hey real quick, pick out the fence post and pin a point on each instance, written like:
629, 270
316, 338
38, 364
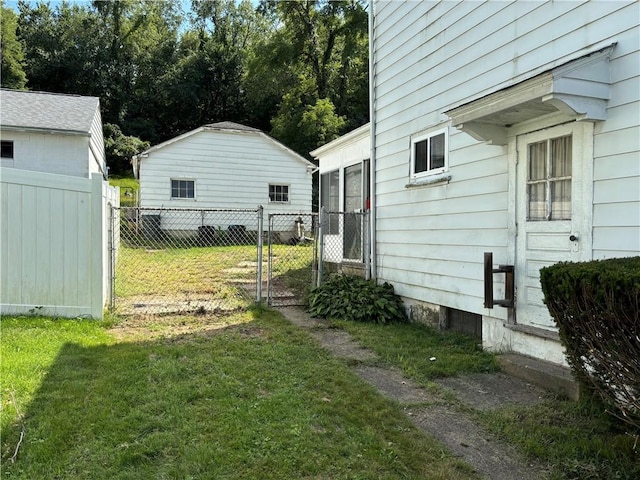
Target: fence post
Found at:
314, 261
366, 246
323, 213
96, 235
260, 245
112, 259
269, 255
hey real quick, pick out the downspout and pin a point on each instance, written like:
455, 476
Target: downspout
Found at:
372, 141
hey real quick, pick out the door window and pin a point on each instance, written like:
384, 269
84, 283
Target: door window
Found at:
549, 179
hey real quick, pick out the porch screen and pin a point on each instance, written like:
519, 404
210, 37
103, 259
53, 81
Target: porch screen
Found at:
330, 199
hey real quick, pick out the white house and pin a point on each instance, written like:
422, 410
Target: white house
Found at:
344, 169
223, 166
52, 133
504, 127
54, 206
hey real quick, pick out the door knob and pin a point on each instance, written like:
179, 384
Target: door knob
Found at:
573, 238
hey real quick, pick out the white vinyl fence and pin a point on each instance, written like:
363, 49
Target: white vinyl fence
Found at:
54, 244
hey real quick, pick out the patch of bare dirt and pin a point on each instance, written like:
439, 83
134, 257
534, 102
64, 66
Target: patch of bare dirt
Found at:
149, 327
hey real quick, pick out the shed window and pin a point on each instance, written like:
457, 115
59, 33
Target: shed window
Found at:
429, 154
279, 193
6, 149
183, 188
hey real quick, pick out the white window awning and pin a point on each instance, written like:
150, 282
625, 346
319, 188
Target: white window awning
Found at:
580, 89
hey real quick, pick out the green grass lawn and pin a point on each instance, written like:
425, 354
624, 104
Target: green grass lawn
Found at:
410, 347
241, 397
129, 188
579, 439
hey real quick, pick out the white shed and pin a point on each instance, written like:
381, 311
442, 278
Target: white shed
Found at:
503, 127
52, 133
224, 166
54, 206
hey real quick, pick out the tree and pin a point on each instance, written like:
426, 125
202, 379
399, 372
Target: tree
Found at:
305, 122
120, 148
12, 73
322, 45
61, 48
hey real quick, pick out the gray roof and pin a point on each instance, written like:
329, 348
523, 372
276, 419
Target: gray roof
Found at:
47, 111
231, 126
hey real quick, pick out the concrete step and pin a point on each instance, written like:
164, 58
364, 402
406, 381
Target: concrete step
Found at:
550, 376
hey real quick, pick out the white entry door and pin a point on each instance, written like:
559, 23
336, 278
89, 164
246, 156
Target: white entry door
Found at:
553, 219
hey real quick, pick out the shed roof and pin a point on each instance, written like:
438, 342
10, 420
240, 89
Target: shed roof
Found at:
225, 127
47, 111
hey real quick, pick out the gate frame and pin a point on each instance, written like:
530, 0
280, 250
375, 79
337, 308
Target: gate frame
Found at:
314, 259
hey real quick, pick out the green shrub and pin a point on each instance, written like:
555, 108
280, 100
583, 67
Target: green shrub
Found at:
352, 298
596, 306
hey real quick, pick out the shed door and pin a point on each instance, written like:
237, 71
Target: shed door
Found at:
551, 213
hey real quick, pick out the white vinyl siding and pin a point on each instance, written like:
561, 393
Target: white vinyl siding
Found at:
434, 56
60, 154
97, 157
231, 171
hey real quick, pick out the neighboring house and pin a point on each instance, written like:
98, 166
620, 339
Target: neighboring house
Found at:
344, 187
54, 206
503, 127
52, 133
223, 166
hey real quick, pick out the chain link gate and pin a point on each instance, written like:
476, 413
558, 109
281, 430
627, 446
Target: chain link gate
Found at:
292, 257
170, 261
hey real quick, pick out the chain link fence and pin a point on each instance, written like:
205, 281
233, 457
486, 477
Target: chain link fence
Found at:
171, 261
345, 247
292, 258
184, 260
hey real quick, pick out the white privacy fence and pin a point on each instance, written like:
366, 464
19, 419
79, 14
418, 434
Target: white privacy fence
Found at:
54, 243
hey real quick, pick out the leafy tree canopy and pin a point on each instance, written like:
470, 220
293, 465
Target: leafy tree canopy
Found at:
12, 74
296, 69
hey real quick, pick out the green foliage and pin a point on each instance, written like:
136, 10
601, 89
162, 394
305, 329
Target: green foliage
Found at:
579, 440
296, 69
120, 148
596, 306
12, 74
356, 299
129, 188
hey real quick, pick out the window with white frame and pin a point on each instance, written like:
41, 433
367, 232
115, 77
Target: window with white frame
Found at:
429, 154
549, 179
183, 189
279, 193
6, 149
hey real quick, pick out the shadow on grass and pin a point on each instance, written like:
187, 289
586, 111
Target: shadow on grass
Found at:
254, 400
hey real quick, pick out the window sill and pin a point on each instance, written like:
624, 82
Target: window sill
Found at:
428, 181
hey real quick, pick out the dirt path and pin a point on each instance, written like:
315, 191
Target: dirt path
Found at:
435, 413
